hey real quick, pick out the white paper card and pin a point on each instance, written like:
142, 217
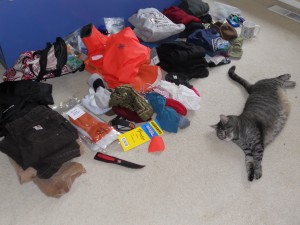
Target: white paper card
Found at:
75, 113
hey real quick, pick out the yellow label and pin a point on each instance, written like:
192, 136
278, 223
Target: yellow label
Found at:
139, 135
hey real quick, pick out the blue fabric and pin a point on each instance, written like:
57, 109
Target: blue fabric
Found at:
210, 40
157, 101
169, 120
166, 116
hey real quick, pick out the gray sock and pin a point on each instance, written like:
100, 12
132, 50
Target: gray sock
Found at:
183, 122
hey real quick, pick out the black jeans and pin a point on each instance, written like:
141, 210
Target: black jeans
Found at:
19, 97
42, 139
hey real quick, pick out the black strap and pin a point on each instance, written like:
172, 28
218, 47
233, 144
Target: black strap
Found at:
43, 61
60, 51
121, 124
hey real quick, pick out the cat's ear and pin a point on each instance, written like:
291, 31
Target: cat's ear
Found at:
224, 119
214, 126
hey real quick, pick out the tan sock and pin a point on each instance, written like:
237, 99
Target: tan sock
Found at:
23, 175
61, 182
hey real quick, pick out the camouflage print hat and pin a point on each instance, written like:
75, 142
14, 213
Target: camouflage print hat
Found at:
125, 96
235, 49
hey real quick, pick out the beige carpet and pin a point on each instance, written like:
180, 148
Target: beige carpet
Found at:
197, 179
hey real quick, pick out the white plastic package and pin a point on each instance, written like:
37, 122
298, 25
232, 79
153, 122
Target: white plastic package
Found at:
221, 11
66, 105
74, 40
114, 25
97, 134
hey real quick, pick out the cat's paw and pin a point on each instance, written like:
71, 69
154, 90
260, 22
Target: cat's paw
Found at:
258, 173
285, 77
250, 174
289, 84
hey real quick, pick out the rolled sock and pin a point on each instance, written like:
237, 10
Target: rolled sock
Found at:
24, 175
183, 122
62, 181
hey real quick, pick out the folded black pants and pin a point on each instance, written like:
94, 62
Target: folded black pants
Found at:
19, 97
42, 139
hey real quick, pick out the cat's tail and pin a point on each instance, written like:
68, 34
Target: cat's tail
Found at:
237, 78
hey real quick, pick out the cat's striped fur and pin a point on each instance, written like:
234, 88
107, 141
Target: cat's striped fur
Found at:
264, 115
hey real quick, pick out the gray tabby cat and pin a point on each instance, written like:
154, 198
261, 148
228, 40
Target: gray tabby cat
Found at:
264, 115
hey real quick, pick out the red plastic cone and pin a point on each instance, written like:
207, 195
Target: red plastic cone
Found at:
156, 145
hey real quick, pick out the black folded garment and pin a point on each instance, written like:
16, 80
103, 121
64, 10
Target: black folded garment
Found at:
196, 8
183, 57
19, 97
190, 28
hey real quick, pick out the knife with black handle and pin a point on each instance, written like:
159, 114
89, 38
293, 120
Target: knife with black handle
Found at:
111, 159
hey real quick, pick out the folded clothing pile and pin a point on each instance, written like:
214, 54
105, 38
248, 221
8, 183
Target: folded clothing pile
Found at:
42, 139
39, 141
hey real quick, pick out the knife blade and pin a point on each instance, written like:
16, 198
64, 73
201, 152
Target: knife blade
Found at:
111, 159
